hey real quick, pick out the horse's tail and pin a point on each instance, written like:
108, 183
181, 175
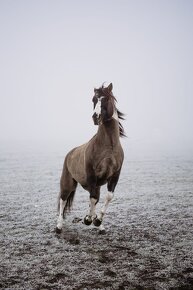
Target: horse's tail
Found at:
69, 203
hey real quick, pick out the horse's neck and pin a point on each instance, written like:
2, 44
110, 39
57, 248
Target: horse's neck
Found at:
108, 134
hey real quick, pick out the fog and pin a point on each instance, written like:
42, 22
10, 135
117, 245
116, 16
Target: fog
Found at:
53, 54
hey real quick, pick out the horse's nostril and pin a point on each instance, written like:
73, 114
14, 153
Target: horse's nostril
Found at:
94, 116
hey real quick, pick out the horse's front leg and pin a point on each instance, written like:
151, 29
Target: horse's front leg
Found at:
98, 220
91, 214
94, 198
112, 182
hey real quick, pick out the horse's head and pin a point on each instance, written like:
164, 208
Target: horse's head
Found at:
103, 102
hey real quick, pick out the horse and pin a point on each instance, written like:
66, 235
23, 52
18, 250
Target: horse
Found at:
95, 163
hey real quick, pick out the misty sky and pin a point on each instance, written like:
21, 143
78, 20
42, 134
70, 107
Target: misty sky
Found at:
53, 53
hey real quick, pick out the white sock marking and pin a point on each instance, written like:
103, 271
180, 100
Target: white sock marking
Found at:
101, 228
92, 207
108, 198
60, 218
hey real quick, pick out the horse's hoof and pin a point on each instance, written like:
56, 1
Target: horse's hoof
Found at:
97, 222
58, 231
87, 220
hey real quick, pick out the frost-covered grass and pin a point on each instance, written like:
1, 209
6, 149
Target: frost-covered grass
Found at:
149, 239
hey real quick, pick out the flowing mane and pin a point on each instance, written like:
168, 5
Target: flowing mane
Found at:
104, 91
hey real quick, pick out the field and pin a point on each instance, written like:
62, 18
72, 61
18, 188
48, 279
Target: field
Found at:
149, 228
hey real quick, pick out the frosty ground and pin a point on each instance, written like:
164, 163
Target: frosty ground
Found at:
149, 228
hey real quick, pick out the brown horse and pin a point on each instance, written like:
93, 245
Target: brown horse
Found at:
96, 162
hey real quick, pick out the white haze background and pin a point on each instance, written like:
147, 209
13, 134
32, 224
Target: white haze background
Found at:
53, 53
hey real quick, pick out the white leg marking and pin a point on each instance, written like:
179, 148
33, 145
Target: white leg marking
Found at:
101, 228
108, 198
92, 207
60, 218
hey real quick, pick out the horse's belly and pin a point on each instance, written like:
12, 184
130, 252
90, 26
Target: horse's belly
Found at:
80, 178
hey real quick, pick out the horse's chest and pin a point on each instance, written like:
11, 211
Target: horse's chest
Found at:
107, 167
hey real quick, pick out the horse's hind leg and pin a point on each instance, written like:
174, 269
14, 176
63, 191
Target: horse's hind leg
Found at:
62, 204
111, 184
67, 190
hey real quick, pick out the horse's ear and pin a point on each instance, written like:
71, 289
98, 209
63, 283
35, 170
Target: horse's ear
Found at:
110, 87
94, 90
